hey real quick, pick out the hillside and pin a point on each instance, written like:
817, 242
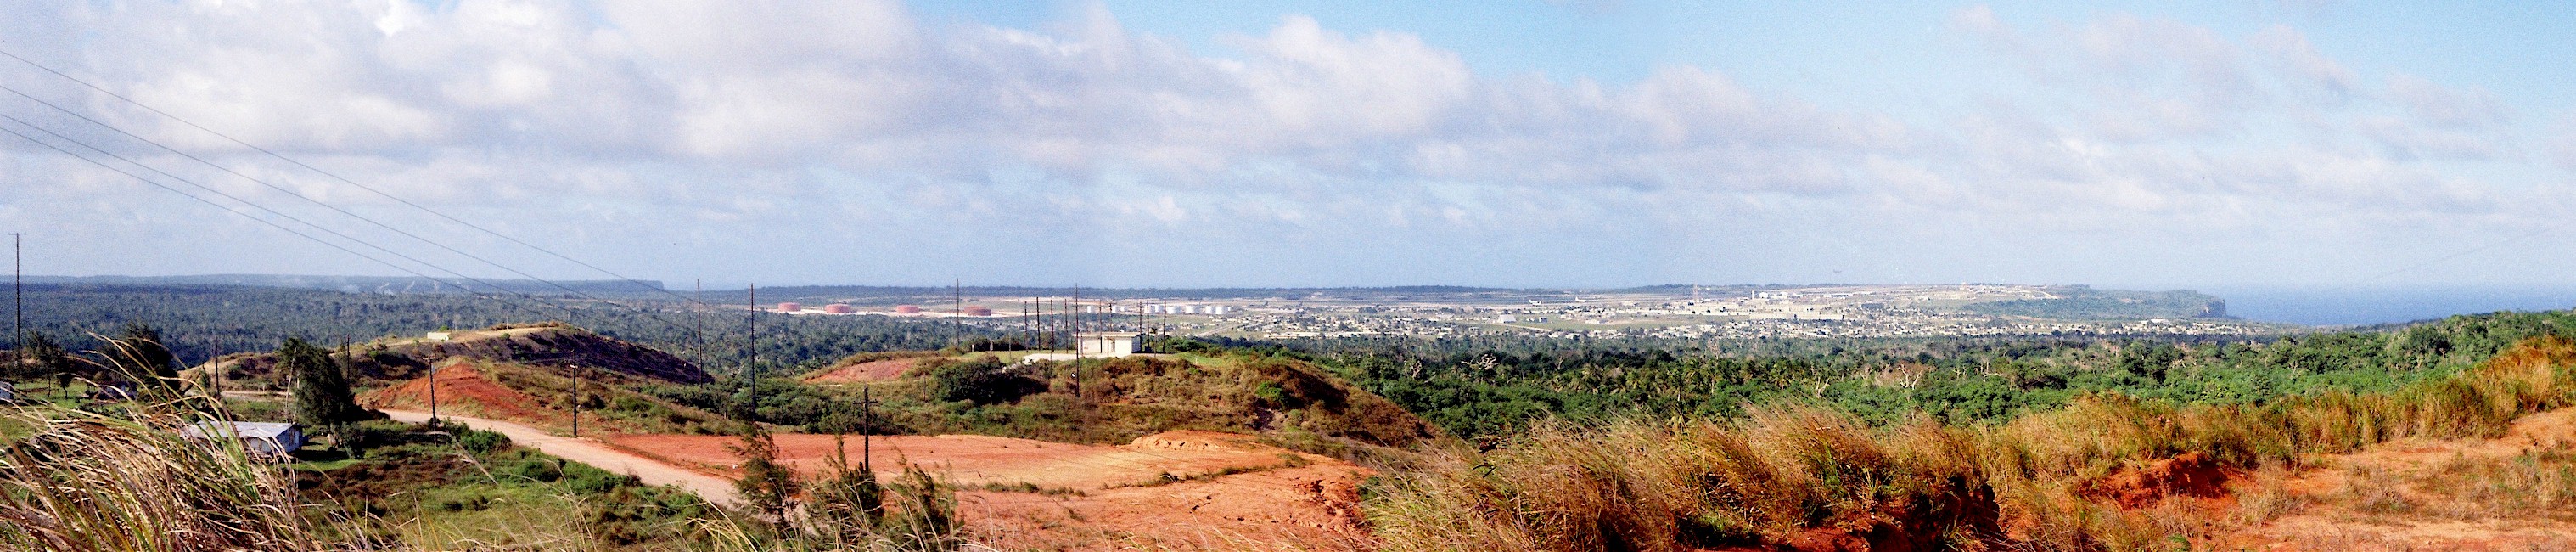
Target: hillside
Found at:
543, 396
1101, 401
548, 345
2086, 303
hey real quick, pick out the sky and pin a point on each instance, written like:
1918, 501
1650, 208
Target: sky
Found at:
2286, 144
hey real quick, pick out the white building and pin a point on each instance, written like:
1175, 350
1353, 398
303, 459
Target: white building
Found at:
1104, 344
260, 439
8, 393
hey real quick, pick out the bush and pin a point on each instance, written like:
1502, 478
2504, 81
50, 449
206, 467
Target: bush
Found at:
982, 381
480, 442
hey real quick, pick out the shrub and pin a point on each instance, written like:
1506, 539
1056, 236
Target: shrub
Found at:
981, 381
480, 442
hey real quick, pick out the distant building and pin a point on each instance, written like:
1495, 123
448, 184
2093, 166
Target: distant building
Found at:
1216, 310
907, 309
790, 308
1105, 344
1507, 319
978, 310
837, 308
8, 393
441, 337
272, 441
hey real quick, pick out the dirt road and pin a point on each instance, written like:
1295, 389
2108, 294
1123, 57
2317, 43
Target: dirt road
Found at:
712, 488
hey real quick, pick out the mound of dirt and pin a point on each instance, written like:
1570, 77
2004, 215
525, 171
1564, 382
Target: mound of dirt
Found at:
554, 345
462, 388
2190, 474
874, 370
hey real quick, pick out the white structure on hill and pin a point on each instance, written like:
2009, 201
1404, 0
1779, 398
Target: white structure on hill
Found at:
260, 439
1104, 344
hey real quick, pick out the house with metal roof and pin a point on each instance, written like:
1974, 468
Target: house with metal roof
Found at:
269, 440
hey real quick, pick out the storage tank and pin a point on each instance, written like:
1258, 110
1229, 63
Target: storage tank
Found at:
978, 310
837, 308
907, 309
790, 307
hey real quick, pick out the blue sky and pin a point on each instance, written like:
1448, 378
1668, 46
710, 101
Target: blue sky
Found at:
1606, 143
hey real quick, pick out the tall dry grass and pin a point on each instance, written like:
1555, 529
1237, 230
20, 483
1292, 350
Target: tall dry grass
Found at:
91, 482
124, 480
1792, 475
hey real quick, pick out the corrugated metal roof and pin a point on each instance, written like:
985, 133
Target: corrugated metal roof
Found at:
256, 430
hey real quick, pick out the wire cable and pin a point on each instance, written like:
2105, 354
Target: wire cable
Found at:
333, 176
292, 193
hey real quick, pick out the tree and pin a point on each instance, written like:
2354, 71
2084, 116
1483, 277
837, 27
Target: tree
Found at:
322, 395
847, 502
41, 357
766, 485
138, 353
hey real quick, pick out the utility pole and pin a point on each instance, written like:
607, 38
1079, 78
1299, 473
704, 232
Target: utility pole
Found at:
867, 431
752, 345
576, 402
957, 303
18, 296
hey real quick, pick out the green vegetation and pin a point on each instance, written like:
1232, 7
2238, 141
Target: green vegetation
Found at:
2086, 303
1090, 401
1888, 381
322, 394
1782, 474
198, 323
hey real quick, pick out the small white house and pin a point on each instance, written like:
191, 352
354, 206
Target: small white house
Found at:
1105, 344
261, 439
441, 337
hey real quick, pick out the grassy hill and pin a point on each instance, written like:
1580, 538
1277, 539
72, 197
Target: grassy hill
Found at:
1290, 401
548, 344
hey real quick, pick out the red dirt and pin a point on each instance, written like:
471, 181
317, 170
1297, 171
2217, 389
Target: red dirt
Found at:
463, 389
2328, 521
879, 370
1163, 490
2190, 474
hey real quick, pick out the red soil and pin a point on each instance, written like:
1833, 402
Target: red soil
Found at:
879, 370
1162, 490
2190, 474
463, 389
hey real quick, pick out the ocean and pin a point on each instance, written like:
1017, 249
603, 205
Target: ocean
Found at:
2350, 307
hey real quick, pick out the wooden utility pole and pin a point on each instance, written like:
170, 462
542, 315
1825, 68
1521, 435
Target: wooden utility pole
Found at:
751, 346
867, 430
576, 402
18, 297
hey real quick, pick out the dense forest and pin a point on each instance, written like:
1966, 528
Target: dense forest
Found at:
202, 322
1496, 392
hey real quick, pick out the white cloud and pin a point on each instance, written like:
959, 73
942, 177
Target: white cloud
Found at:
853, 126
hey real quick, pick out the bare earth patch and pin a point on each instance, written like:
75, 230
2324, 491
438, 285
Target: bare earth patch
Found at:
1186, 490
2447, 495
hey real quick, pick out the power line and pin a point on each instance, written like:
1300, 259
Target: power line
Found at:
334, 176
226, 208
292, 193
568, 310
254, 205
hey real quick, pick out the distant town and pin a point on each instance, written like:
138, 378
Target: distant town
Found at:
1685, 312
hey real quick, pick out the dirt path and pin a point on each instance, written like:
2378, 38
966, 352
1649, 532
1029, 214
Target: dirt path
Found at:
712, 488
